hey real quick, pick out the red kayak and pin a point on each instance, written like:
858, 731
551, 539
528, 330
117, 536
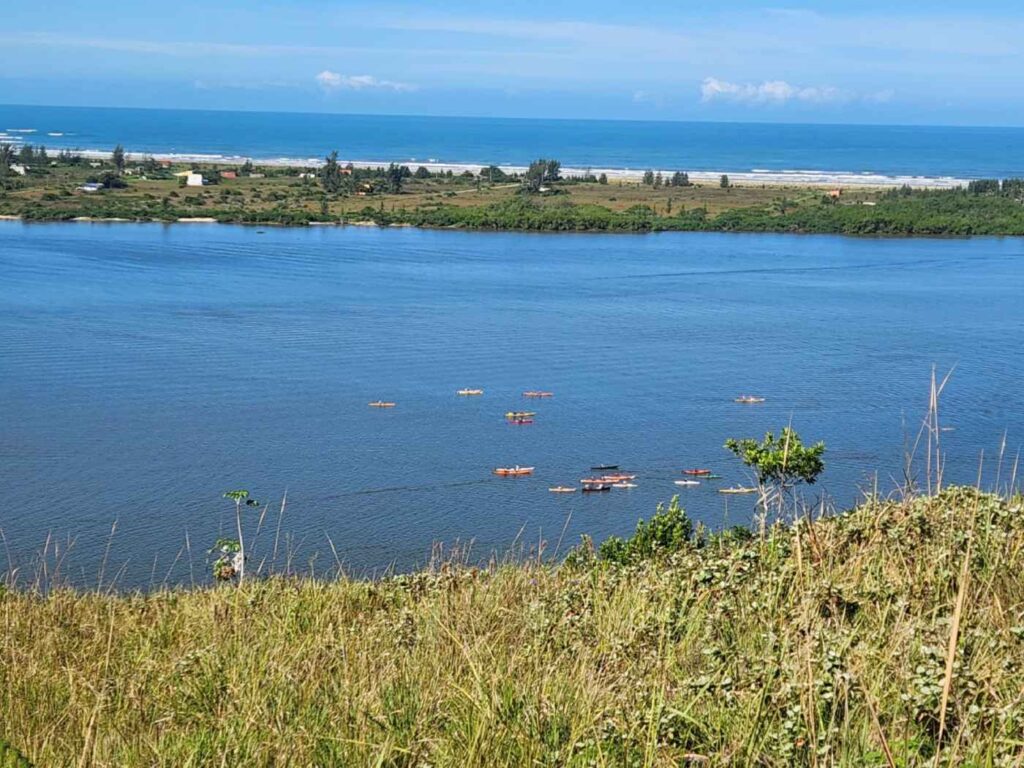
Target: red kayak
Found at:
697, 472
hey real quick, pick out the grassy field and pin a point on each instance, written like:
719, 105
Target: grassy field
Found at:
892, 635
53, 193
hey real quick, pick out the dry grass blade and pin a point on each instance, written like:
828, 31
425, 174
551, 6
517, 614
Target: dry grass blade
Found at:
954, 630
889, 761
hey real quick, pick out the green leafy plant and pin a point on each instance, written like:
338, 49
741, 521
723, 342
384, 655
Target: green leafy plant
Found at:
10, 757
668, 531
229, 559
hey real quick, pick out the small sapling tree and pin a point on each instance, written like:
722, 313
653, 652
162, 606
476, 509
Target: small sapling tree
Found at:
232, 553
780, 463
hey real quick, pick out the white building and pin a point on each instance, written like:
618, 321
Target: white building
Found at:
194, 180
21, 170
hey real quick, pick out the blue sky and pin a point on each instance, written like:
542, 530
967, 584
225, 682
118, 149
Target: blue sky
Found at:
869, 61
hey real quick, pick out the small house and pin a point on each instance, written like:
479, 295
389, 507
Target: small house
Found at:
21, 170
835, 194
257, 175
194, 180
228, 175
90, 186
366, 188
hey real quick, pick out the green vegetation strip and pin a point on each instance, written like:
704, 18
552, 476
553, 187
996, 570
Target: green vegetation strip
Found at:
52, 189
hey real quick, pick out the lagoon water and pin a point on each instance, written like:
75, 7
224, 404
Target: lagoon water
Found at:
145, 369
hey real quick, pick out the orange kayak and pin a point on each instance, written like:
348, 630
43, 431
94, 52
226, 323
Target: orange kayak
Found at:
516, 471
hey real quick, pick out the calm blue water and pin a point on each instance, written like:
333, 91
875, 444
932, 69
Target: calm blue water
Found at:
146, 369
736, 147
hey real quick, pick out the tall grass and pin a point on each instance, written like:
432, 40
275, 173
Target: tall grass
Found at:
889, 635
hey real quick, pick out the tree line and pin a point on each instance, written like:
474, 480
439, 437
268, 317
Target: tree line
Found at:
656, 179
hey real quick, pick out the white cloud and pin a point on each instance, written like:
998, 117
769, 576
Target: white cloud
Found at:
334, 81
768, 92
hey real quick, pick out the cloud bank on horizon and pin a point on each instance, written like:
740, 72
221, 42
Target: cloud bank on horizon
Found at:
781, 92
770, 91
331, 81
863, 61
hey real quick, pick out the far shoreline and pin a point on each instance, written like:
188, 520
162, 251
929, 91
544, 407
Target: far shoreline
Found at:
772, 178
190, 189
369, 224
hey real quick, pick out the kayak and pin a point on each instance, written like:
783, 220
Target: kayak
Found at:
538, 393
465, 392
604, 467
687, 482
596, 488
515, 471
623, 485
697, 472
381, 404
737, 490
562, 489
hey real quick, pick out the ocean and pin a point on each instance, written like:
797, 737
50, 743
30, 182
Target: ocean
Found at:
146, 369
956, 152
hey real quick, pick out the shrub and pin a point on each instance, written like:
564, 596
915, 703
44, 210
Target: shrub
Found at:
668, 531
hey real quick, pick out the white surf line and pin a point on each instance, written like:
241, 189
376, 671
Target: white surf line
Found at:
802, 178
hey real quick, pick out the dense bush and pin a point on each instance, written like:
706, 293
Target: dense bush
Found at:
670, 530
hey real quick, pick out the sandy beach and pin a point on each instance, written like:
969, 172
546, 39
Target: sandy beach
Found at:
766, 177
